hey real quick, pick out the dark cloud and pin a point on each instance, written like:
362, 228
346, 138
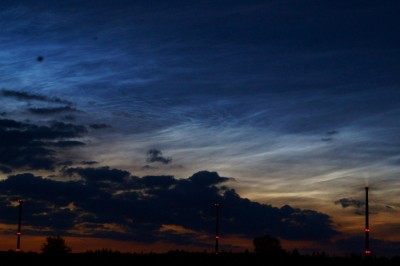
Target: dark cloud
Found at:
5, 170
52, 110
357, 205
205, 178
29, 146
30, 187
329, 135
7, 123
99, 126
69, 117
157, 181
348, 202
66, 163
89, 162
155, 155
144, 206
123, 114
21, 95
332, 132
148, 167
97, 175
67, 143
46, 202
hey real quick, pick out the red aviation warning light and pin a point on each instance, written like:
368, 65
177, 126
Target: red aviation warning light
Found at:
367, 251
216, 205
18, 249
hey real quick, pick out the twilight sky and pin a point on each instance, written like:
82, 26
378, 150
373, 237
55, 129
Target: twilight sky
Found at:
126, 120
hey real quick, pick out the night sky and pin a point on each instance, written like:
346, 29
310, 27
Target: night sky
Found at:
122, 122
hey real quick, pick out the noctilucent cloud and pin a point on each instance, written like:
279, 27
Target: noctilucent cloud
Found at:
127, 120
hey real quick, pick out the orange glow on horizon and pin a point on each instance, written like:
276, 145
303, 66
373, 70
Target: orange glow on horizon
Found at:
83, 244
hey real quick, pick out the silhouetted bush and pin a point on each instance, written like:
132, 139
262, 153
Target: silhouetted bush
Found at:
267, 245
55, 245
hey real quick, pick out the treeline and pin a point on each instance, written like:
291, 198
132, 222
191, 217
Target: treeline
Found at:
180, 258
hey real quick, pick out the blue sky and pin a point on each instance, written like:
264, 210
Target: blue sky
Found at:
294, 100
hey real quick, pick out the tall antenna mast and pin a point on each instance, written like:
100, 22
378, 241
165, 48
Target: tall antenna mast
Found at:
367, 251
216, 205
19, 225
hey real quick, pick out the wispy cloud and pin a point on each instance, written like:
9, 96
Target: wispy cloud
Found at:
52, 110
26, 96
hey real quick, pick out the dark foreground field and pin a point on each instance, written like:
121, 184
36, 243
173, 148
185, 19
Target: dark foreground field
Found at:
183, 258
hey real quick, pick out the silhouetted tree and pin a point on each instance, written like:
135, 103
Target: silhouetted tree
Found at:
55, 245
267, 245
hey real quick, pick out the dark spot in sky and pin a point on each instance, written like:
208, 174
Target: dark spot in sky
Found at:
40, 58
